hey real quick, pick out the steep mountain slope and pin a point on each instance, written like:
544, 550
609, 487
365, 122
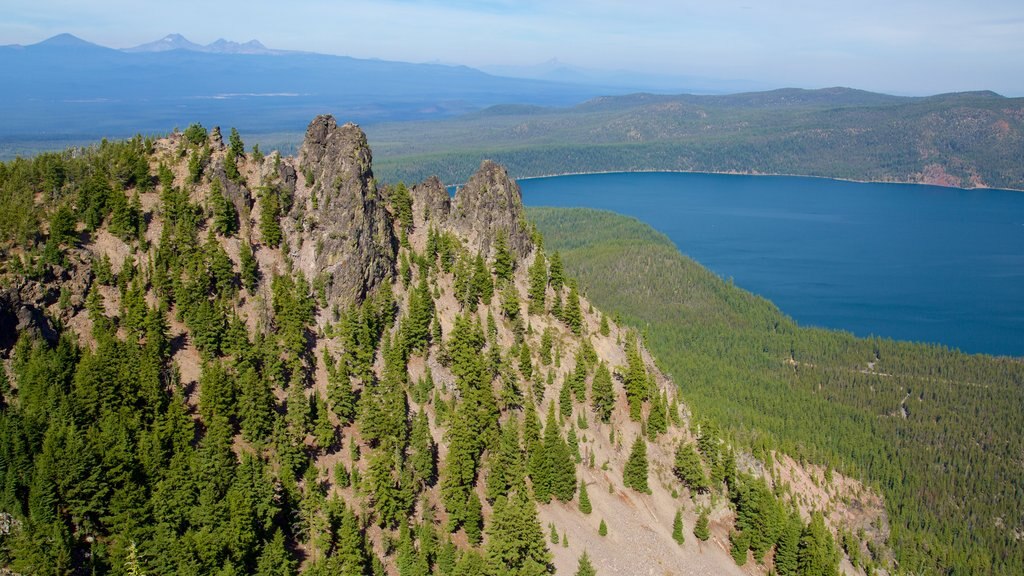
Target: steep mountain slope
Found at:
265, 365
938, 431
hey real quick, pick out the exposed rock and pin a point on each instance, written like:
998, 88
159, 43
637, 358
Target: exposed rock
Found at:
216, 140
490, 203
18, 317
352, 239
431, 202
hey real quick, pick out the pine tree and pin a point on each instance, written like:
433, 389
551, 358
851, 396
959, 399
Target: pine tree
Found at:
604, 329
585, 567
505, 464
635, 379
634, 475
572, 315
551, 468
602, 394
677, 528
235, 143
602, 530
424, 452
817, 554
255, 405
270, 212
275, 559
585, 506
323, 429
657, 421
554, 533
557, 273
700, 529
740, 543
688, 469
786, 549
504, 263
538, 284
473, 520
225, 216
249, 266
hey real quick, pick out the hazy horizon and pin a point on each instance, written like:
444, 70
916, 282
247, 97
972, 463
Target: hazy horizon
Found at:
914, 47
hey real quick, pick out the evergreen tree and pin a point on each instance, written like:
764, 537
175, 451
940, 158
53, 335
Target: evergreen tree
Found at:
739, 541
504, 263
270, 212
688, 469
635, 379
602, 530
473, 520
255, 405
225, 216
634, 475
323, 429
538, 284
602, 394
552, 470
557, 273
515, 542
817, 554
585, 506
657, 420
424, 452
505, 464
677, 528
235, 143
248, 265
572, 315
585, 567
416, 328
786, 549
700, 529
275, 559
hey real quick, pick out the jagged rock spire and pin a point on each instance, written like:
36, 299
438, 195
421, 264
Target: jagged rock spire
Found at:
490, 203
352, 238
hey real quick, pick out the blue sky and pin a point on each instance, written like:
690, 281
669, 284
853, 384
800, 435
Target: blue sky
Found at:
896, 46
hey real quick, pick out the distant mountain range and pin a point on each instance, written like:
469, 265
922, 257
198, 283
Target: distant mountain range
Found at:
65, 88
220, 46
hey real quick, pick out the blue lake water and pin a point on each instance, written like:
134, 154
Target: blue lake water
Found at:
920, 263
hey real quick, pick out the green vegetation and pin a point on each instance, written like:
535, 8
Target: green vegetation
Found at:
938, 432
838, 133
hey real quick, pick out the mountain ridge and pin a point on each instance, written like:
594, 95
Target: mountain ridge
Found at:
371, 429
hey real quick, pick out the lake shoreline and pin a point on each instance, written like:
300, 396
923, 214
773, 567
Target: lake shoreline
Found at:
770, 174
919, 264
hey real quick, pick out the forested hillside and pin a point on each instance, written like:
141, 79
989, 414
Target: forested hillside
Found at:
937, 431
966, 140
217, 361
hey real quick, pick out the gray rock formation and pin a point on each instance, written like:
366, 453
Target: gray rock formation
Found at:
430, 203
489, 203
352, 239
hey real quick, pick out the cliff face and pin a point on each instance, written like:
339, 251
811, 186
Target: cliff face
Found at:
490, 204
347, 232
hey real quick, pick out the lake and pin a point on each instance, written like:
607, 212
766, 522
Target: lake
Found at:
910, 262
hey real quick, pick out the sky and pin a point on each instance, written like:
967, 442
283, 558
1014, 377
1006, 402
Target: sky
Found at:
912, 47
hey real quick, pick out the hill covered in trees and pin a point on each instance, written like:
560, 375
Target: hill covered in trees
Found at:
217, 361
938, 432
966, 140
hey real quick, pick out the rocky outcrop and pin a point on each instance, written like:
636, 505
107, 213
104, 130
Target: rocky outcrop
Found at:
488, 204
431, 202
349, 235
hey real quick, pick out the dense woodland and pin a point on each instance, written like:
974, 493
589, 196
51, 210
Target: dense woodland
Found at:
413, 432
940, 433
970, 139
